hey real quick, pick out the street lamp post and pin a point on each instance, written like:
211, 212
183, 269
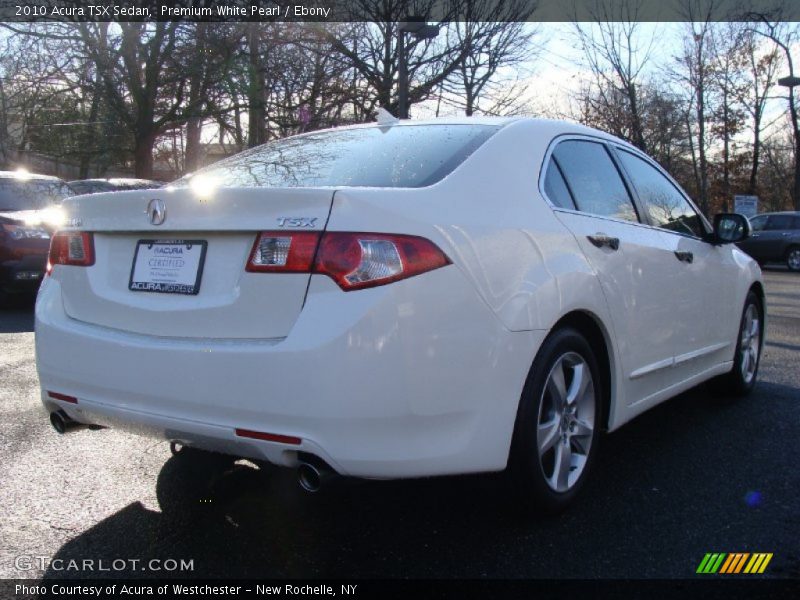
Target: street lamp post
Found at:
792, 82
417, 27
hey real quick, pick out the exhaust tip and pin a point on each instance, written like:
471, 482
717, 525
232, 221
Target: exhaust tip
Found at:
58, 422
309, 477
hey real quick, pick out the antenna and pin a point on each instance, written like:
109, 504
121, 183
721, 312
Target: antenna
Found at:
386, 118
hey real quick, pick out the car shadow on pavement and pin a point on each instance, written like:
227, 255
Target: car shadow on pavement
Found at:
691, 475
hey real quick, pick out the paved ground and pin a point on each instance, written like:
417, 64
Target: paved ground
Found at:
690, 477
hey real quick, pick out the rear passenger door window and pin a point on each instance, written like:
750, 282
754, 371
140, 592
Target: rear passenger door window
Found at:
593, 181
778, 223
664, 203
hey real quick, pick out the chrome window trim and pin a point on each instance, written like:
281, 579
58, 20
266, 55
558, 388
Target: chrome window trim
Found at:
612, 143
546, 163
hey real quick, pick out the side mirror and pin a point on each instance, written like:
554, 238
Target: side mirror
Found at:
730, 228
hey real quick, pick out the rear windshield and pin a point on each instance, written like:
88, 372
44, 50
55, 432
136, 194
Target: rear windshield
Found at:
90, 187
32, 194
405, 156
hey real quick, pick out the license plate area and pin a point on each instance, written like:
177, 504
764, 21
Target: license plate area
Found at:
168, 266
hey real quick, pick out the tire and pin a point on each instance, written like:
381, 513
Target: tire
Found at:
741, 380
562, 427
793, 258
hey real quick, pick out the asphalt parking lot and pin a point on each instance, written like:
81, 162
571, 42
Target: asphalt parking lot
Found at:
694, 475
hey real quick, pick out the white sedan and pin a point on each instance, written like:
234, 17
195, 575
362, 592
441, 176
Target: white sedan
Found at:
399, 300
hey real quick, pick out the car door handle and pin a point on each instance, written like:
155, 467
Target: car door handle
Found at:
755, 235
601, 239
684, 256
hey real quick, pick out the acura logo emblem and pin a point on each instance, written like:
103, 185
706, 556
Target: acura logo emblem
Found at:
157, 211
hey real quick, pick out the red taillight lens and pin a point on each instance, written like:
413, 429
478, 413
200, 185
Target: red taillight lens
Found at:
71, 248
283, 252
353, 260
360, 260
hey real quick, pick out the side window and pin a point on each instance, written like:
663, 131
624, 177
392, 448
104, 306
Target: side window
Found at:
556, 188
665, 205
757, 223
591, 175
778, 222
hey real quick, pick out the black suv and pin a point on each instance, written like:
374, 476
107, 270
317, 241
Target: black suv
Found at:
27, 202
775, 238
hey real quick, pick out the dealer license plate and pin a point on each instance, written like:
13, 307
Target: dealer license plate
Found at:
168, 266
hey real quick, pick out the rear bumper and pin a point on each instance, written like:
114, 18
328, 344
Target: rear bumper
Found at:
397, 381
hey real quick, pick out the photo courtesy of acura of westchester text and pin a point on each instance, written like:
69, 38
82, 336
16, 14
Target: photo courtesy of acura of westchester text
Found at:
379, 298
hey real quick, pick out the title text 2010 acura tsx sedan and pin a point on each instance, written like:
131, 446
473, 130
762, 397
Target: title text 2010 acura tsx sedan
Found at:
406, 300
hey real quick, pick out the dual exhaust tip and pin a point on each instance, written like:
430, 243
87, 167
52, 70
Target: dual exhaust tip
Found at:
63, 424
311, 475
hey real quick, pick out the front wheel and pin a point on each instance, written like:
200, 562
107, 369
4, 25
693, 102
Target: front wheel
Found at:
741, 380
793, 258
555, 436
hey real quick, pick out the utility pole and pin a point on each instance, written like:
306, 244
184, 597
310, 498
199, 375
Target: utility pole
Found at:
417, 27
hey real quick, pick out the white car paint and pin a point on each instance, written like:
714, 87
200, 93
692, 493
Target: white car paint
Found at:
418, 377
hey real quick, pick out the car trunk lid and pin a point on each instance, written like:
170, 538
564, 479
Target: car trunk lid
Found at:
212, 236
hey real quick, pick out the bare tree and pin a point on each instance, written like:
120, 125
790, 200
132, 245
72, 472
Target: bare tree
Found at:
617, 58
784, 36
376, 59
499, 46
696, 66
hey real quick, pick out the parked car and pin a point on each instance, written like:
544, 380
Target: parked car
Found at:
775, 239
115, 184
392, 301
25, 227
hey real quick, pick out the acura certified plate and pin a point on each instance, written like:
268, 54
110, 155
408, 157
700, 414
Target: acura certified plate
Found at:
168, 266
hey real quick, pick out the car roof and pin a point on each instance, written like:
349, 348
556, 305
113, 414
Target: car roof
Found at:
793, 213
548, 127
114, 180
28, 176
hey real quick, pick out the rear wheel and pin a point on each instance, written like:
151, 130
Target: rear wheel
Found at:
793, 258
555, 438
742, 378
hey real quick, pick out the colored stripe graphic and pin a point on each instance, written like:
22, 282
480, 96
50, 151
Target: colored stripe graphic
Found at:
758, 563
737, 561
711, 562
727, 564
734, 562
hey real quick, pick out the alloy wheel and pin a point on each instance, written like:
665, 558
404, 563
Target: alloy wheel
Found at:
566, 421
793, 260
750, 343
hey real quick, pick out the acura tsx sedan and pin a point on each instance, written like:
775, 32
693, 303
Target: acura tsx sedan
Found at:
399, 300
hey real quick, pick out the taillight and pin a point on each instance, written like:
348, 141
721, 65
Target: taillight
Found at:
283, 252
71, 248
360, 260
353, 260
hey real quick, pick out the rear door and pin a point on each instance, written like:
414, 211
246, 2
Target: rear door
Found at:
774, 239
183, 274
590, 197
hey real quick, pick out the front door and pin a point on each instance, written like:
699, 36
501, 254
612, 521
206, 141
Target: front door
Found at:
630, 259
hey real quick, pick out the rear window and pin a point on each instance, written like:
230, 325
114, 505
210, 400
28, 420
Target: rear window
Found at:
406, 156
31, 194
